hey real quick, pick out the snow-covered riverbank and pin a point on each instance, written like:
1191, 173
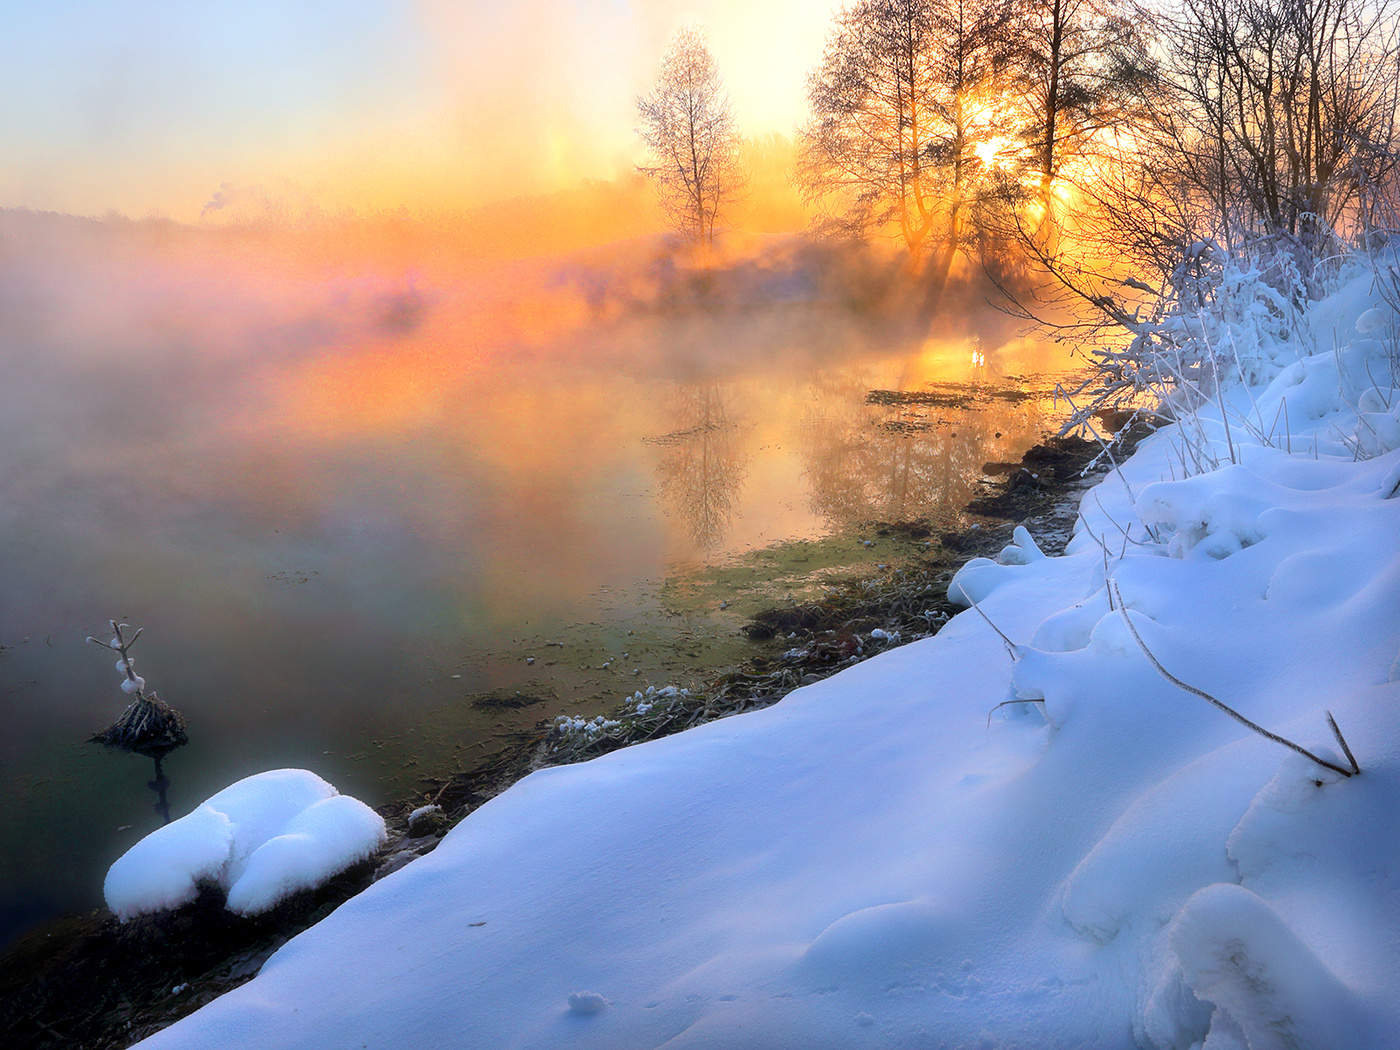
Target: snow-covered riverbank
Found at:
888, 859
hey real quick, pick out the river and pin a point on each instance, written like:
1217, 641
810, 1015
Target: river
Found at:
373, 517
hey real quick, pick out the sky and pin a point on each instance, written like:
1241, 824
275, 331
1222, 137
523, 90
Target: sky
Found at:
149, 108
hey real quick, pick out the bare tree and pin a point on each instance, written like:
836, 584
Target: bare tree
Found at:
688, 128
1268, 125
898, 110
974, 46
1265, 132
1081, 65
865, 146
1283, 112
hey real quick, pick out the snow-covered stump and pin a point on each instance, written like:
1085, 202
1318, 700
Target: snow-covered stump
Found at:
149, 726
259, 841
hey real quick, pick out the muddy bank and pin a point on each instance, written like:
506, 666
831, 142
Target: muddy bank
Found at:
89, 981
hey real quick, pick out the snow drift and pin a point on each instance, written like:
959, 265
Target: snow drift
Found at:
874, 862
260, 840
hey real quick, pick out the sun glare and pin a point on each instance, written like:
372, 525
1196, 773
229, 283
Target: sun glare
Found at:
997, 152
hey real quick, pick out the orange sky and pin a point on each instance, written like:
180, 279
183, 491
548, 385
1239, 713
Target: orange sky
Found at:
298, 108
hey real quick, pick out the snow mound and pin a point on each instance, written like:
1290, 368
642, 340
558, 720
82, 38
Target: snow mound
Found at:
981, 576
1264, 988
1215, 515
260, 840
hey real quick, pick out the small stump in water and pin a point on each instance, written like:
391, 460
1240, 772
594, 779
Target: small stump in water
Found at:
149, 726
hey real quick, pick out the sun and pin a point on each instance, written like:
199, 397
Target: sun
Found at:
997, 152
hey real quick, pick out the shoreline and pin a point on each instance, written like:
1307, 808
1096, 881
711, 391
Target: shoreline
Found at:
134, 979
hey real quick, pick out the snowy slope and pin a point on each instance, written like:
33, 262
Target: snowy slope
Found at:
875, 863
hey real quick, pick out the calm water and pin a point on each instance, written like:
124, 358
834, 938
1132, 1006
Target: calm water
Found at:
344, 500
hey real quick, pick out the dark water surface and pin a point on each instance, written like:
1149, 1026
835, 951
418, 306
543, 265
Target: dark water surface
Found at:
344, 505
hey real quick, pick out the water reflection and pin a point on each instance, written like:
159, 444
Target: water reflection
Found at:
701, 468
911, 450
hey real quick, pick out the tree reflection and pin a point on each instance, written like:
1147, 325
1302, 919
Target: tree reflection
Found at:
703, 463
899, 455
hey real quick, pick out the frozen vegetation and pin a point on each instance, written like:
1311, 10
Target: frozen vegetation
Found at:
894, 857
259, 840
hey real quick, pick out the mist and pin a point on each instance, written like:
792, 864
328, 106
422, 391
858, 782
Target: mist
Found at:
191, 411
153, 364
345, 468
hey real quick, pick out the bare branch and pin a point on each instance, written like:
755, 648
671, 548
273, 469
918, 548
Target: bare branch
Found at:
1342, 742
1006, 703
1123, 612
1010, 645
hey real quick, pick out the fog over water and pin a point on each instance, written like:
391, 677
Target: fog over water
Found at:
343, 488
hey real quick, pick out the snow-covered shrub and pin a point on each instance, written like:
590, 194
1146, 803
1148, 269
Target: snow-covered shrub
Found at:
1230, 315
259, 840
1264, 337
1223, 316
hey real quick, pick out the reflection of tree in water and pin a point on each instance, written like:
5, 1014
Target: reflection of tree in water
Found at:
876, 455
702, 465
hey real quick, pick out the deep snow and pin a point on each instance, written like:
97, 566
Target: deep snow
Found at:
883, 860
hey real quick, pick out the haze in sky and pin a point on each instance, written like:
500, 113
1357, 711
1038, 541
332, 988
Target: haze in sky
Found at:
152, 109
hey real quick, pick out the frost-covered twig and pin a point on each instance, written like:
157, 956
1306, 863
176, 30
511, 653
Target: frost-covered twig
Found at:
1123, 611
1385, 397
1342, 742
1282, 411
1010, 645
1082, 419
1220, 401
1104, 548
122, 646
1017, 700
1248, 388
1127, 537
